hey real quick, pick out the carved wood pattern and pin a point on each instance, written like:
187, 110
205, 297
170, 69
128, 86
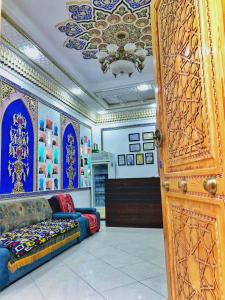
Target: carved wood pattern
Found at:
195, 247
182, 81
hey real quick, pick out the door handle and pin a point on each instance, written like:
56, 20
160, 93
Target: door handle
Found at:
166, 185
210, 185
182, 185
158, 137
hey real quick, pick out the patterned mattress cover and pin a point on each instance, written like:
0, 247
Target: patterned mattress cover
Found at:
26, 241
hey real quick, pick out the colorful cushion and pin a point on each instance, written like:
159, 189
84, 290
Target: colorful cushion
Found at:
19, 213
21, 241
66, 203
92, 222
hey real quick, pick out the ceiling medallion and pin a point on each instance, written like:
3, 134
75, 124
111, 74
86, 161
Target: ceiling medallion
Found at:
94, 24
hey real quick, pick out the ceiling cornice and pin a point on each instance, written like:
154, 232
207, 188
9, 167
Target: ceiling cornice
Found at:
122, 117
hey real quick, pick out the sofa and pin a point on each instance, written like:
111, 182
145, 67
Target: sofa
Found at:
63, 208
30, 235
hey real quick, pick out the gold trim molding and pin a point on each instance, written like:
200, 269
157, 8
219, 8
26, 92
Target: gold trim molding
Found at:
121, 117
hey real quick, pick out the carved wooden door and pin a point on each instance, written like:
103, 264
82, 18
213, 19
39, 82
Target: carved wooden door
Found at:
189, 56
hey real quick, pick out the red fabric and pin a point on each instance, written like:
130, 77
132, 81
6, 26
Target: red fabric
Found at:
92, 222
66, 203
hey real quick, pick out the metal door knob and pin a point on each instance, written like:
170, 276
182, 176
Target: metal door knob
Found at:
158, 137
166, 185
210, 185
182, 185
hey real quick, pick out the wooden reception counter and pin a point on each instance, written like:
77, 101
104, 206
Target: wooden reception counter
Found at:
133, 203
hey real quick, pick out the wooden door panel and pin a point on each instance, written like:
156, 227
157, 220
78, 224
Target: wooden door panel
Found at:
195, 235
188, 94
189, 56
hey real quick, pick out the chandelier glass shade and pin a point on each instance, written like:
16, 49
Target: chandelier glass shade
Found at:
122, 59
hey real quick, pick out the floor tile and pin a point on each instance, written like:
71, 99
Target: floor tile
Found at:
142, 270
135, 291
22, 289
157, 284
67, 290
105, 281
55, 274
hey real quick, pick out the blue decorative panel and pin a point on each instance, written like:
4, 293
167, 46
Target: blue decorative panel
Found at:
75, 44
71, 29
108, 5
89, 54
70, 146
138, 4
81, 13
17, 151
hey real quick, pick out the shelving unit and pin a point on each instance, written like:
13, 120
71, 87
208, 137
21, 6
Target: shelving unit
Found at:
103, 167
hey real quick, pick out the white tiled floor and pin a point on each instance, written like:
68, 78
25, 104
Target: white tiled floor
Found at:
115, 264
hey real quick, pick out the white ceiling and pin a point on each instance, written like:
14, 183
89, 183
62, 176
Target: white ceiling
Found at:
39, 18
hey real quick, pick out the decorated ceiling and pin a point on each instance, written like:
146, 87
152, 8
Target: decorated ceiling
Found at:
93, 24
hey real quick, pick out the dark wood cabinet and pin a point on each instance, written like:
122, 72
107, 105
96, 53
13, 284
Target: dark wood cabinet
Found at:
133, 202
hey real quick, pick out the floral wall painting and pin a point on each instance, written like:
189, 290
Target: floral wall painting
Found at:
48, 148
70, 153
18, 122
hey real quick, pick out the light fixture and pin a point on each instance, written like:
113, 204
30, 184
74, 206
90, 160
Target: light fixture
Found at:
31, 52
143, 87
77, 91
122, 59
101, 112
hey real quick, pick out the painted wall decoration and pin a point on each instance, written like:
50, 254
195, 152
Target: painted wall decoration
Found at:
49, 141
85, 157
70, 152
94, 24
18, 112
39, 145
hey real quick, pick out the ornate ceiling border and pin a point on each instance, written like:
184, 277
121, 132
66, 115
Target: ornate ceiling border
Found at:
121, 117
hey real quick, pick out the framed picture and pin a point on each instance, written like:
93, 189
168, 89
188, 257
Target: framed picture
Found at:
149, 146
130, 159
121, 160
149, 158
147, 135
139, 159
135, 147
134, 137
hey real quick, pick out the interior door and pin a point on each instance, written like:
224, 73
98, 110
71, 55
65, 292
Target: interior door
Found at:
188, 48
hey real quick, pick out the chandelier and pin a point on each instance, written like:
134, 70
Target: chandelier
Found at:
122, 59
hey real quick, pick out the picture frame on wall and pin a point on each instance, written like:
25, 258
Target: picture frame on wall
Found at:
134, 137
139, 159
121, 160
149, 158
135, 147
130, 159
148, 135
149, 146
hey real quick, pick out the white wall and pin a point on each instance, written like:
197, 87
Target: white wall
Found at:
81, 198
116, 141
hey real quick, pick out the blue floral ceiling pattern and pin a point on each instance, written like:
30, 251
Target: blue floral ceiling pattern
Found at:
93, 24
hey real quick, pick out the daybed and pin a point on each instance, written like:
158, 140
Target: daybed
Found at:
31, 235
